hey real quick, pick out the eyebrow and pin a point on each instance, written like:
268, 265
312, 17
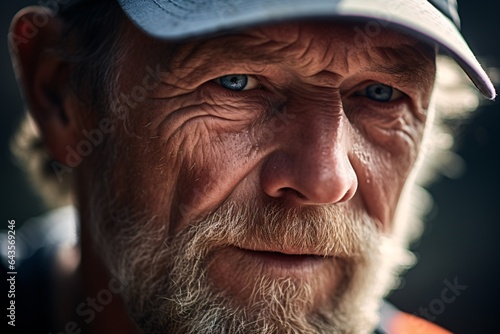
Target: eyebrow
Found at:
409, 64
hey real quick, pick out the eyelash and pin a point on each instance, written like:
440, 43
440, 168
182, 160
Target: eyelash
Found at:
359, 91
238, 95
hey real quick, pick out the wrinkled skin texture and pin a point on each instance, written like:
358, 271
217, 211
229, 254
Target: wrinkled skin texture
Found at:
304, 136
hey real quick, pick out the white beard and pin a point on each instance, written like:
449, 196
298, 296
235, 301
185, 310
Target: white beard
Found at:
167, 289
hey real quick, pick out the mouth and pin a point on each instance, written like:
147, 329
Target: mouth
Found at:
284, 263
281, 255
240, 270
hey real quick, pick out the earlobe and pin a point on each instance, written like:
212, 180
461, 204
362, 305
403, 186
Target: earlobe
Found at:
43, 76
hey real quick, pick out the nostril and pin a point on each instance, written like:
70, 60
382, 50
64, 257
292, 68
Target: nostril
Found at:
347, 196
351, 190
292, 192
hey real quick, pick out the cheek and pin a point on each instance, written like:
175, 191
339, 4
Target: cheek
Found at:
210, 164
196, 152
190, 171
383, 157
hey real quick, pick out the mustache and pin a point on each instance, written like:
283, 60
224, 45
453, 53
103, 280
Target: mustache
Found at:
328, 230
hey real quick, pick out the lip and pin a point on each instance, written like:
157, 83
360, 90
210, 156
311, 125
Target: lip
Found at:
281, 251
241, 271
288, 263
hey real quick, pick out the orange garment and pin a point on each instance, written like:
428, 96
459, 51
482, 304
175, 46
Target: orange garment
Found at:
404, 323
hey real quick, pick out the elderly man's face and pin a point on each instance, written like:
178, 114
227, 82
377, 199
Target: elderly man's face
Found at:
255, 187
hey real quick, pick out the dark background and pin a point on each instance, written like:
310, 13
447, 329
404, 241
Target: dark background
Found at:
463, 230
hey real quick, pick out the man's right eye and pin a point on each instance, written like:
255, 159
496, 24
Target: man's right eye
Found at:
238, 82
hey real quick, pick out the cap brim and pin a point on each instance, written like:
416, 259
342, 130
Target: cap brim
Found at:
169, 20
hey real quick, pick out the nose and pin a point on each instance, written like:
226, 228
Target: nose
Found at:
311, 163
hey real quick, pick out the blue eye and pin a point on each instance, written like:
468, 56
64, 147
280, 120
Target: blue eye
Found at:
236, 82
379, 92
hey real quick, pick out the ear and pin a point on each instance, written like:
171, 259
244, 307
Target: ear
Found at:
44, 77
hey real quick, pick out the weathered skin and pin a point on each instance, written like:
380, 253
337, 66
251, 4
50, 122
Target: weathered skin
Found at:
303, 132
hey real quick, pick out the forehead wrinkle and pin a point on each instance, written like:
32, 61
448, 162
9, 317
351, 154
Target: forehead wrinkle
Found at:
257, 46
307, 48
229, 47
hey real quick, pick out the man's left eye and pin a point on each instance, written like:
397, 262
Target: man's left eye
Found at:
381, 93
238, 82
